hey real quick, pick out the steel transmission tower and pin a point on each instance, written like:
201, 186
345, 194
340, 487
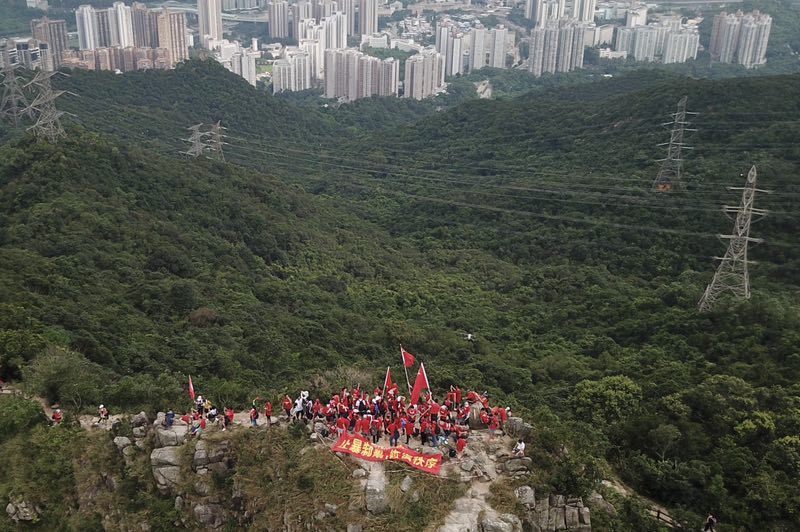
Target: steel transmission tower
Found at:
14, 104
671, 171
732, 275
43, 107
198, 145
217, 134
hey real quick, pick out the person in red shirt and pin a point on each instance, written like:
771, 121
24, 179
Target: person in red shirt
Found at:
484, 417
317, 408
457, 395
186, 418
254, 417
376, 429
57, 416
342, 424
472, 397
424, 431
228, 418
366, 425
461, 445
268, 410
287, 405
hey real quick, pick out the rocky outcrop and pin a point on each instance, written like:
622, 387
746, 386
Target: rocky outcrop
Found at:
516, 427
500, 523
375, 491
19, 510
516, 465
552, 513
175, 435
166, 463
209, 515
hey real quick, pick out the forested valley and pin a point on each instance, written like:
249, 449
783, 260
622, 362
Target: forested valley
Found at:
322, 242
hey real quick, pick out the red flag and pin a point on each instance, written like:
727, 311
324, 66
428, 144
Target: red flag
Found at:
408, 358
191, 388
421, 383
387, 382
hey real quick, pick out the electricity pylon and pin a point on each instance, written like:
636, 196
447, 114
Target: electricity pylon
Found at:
14, 105
732, 275
198, 145
671, 170
217, 134
48, 118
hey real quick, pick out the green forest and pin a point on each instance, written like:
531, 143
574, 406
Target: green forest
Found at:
331, 235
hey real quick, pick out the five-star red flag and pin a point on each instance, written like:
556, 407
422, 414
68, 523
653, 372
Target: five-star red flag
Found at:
421, 383
191, 388
408, 358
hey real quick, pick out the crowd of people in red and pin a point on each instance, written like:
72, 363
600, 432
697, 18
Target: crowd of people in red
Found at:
387, 414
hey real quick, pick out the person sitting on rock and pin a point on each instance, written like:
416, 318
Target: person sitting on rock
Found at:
519, 449
169, 419
57, 416
103, 412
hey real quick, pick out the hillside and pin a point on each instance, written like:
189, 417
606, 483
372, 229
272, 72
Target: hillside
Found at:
528, 222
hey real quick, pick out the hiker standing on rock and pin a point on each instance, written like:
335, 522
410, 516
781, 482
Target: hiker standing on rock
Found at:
711, 523
254, 417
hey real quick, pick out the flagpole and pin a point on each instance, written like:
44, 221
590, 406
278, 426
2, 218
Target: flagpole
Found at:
408, 382
384, 380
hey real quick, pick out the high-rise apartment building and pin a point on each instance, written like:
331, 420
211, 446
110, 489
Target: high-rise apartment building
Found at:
292, 73
681, 46
302, 10
424, 75
740, 38
278, 19
348, 7
368, 17
454, 55
145, 26
636, 15
121, 20
335, 34
87, 27
350, 75
497, 50
209, 16
644, 43
624, 40
171, 27
477, 52
557, 47
54, 33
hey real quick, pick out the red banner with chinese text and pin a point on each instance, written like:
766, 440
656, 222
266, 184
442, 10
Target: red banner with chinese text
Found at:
355, 445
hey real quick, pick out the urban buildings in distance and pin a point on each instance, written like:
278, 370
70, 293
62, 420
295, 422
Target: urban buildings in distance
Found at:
665, 41
740, 38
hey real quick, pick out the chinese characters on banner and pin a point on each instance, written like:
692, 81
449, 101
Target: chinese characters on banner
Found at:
355, 445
